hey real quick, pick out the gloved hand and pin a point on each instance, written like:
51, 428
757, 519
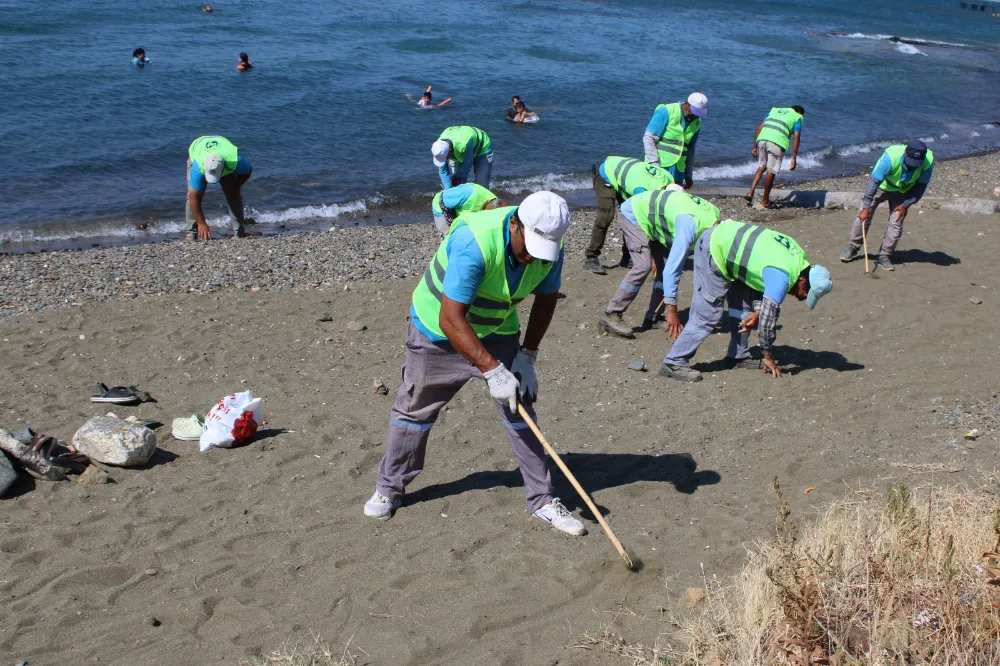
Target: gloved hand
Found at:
523, 368
503, 385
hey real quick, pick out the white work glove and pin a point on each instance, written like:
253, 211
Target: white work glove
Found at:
523, 368
503, 385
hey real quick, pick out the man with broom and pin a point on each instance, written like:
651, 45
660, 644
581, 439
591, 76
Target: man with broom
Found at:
463, 325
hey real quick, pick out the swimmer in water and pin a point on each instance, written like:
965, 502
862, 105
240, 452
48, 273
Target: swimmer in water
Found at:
426, 101
522, 115
244, 64
139, 58
207, 9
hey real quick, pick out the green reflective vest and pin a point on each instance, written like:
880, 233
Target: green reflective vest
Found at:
894, 179
778, 126
204, 146
461, 135
672, 147
478, 198
494, 309
627, 174
656, 210
742, 251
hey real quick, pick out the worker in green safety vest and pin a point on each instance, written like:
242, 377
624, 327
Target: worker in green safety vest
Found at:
615, 180
461, 150
214, 159
660, 228
770, 143
464, 324
671, 136
900, 178
450, 204
743, 263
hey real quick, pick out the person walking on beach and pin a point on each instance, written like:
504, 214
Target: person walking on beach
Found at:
450, 204
672, 133
464, 325
900, 178
459, 150
615, 180
770, 144
653, 222
739, 261
214, 159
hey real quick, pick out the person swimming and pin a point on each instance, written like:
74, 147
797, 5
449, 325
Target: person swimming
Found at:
523, 115
244, 64
139, 58
208, 9
426, 100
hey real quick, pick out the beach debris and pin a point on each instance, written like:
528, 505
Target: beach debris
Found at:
808, 490
114, 441
972, 434
326, 316
694, 596
638, 365
151, 572
152, 621
379, 388
963, 172
93, 476
355, 326
8, 475
32, 461
996, 191
232, 421
975, 300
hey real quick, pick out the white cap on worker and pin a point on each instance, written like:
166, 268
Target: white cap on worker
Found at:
213, 166
674, 187
545, 217
440, 150
698, 103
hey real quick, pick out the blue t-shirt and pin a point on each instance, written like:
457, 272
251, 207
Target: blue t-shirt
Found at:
454, 197
775, 284
462, 168
884, 166
467, 268
604, 174
197, 181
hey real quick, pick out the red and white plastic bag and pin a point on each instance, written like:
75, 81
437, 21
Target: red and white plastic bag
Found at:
232, 422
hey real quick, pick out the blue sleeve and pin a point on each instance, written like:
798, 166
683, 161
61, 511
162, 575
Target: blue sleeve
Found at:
445, 175
882, 168
658, 123
797, 127
553, 281
466, 266
925, 177
456, 196
136, 62
197, 181
626, 210
775, 284
462, 170
680, 245
638, 190
604, 174
243, 166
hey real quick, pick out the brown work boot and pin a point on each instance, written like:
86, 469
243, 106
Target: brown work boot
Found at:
614, 324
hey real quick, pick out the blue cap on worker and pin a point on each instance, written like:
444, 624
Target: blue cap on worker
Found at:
915, 153
820, 284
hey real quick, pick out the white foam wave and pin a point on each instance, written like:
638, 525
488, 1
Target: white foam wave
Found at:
883, 37
943, 136
733, 171
549, 181
908, 49
862, 148
323, 211
927, 139
974, 134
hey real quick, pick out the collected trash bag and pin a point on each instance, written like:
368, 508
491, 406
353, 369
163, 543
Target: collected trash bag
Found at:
232, 422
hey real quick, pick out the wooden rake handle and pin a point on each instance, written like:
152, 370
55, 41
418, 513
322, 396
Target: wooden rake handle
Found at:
576, 484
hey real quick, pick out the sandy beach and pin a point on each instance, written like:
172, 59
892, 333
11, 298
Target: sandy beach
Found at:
215, 557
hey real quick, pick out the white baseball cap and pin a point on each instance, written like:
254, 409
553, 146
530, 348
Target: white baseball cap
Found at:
698, 103
440, 150
213, 167
545, 217
674, 187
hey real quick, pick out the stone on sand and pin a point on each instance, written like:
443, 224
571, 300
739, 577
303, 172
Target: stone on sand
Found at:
638, 366
694, 596
355, 326
93, 476
113, 441
975, 300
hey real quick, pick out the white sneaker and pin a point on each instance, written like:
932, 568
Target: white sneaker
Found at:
381, 507
560, 518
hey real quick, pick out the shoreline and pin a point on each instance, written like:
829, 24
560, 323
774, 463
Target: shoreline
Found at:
408, 213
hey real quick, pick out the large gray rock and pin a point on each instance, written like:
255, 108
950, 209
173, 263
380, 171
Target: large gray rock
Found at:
8, 475
113, 441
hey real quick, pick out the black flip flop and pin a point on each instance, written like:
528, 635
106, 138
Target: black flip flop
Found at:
119, 395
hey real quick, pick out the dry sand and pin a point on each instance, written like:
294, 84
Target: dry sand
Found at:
236, 552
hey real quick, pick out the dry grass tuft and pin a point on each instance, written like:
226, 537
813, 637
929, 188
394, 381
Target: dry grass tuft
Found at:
314, 654
911, 578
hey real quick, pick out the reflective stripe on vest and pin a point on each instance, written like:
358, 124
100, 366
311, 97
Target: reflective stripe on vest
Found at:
731, 264
657, 214
461, 135
742, 252
622, 171
893, 180
204, 146
779, 126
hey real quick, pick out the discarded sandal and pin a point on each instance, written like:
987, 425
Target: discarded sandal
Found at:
120, 395
59, 454
31, 460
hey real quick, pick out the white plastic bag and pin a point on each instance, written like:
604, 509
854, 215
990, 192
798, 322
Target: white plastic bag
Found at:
232, 422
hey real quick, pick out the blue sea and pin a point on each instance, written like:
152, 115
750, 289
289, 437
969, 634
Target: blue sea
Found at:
94, 148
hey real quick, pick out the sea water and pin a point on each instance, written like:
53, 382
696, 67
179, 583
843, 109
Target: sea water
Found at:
92, 146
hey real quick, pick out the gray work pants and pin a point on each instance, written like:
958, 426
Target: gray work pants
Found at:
433, 373
706, 308
236, 215
645, 253
482, 165
892, 232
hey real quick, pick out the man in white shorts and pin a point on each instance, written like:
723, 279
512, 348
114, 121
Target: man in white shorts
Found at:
769, 147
